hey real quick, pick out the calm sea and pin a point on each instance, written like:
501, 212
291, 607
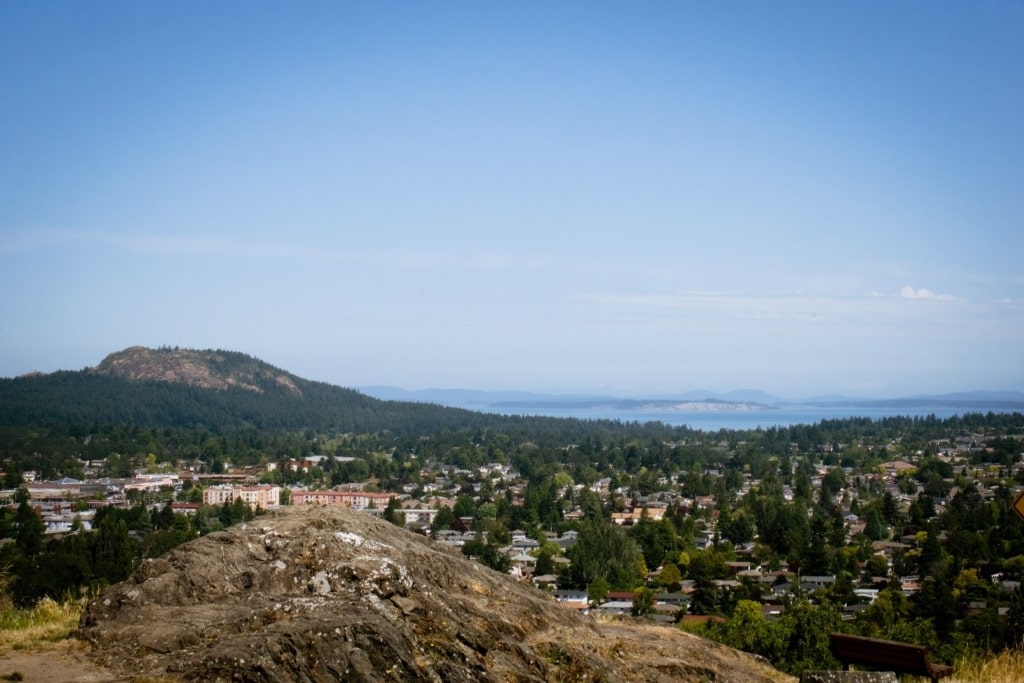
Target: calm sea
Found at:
740, 420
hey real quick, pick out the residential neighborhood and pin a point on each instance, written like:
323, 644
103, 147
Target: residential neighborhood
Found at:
456, 506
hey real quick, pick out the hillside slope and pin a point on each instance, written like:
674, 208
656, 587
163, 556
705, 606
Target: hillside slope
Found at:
226, 390
213, 389
331, 594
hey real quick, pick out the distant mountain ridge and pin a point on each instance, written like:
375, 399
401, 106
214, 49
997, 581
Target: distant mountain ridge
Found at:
482, 397
694, 400
217, 389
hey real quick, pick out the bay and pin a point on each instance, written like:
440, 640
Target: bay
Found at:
714, 420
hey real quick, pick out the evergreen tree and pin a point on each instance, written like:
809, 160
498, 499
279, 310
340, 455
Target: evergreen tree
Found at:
113, 557
932, 560
545, 562
936, 603
874, 525
444, 519
29, 528
225, 515
704, 569
1015, 618
817, 560
164, 517
393, 512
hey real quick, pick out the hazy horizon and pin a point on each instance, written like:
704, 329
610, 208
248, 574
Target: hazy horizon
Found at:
625, 199
746, 393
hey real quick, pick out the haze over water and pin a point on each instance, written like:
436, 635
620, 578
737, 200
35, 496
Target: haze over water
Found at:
752, 419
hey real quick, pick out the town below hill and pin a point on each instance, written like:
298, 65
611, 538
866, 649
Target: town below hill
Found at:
904, 528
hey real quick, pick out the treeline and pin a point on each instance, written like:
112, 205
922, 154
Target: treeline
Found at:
84, 402
633, 454
86, 399
74, 563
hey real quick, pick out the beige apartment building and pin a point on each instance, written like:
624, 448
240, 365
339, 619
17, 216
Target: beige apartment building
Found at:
348, 499
264, 496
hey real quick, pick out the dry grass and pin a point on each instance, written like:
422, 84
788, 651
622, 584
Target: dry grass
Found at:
1006, 667
47, 623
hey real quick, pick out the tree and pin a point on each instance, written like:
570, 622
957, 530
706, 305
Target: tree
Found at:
225, 515
738, 527
487, 554
29, 528
603, 549
12, 478
705, 568
808, 627
164, 517
834, 481
641, 567
1015, 618
643, 602
932, 561
113, 557
545, 562
802, 486
750, 631
598, 589
671, 577
444, 519
876, 565
657, 540
935, 602
888, 608
817, 560
465, 506
874, 525
890, 508
393, 512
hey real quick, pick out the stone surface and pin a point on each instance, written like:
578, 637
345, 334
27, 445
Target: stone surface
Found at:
848, 677
317, 595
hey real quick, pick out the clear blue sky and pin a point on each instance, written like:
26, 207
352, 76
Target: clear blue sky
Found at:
624, 197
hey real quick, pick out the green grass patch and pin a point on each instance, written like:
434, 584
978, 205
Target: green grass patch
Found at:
47, 622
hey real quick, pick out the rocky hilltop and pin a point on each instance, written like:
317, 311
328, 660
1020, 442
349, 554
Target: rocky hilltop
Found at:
207, 369
317, 595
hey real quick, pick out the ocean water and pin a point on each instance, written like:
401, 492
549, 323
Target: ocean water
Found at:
711, 421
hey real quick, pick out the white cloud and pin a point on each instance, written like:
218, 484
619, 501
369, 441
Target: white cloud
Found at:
909, 292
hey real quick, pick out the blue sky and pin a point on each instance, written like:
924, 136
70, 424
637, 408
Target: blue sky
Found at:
630, 198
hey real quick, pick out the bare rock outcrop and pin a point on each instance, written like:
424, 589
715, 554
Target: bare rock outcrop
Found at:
218, 370
311, 595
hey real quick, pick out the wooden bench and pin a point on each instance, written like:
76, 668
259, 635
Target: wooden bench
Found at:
886, 655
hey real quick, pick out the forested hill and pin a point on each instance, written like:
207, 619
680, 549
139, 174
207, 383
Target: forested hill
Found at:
222, 390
